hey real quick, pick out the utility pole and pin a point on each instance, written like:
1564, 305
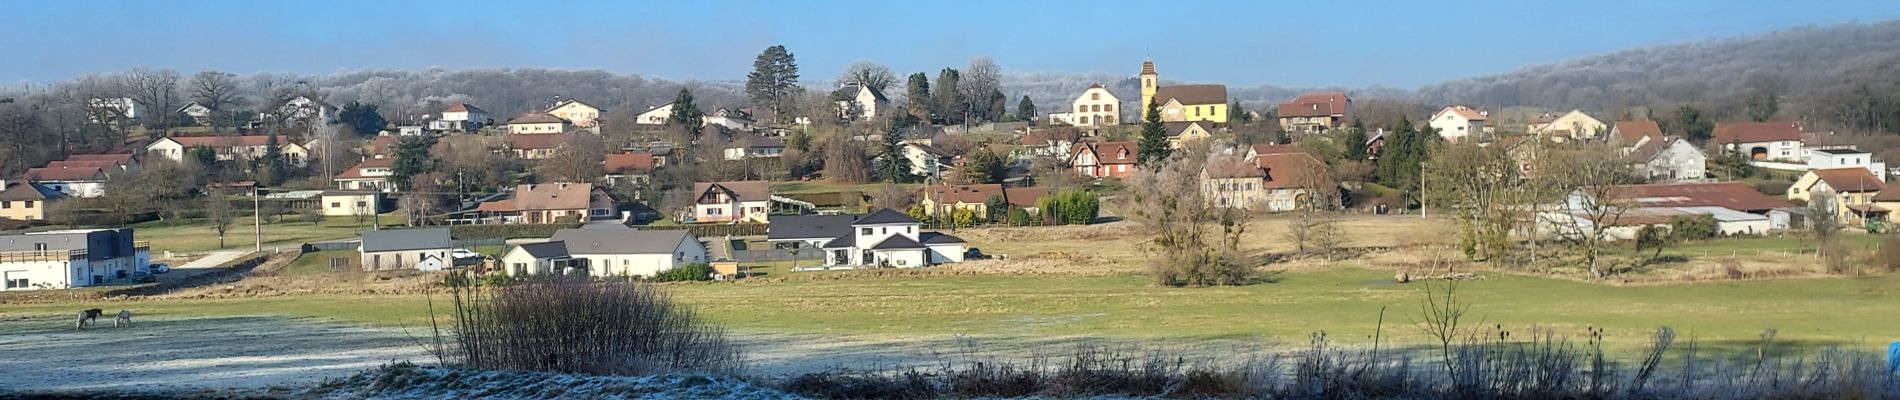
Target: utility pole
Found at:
257, 218
1421, 190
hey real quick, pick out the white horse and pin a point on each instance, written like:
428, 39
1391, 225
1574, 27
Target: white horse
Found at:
124, 320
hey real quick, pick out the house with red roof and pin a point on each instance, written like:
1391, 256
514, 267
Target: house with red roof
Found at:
939, 199
1762, 141
745, 201
1459, 122
1272, 182
369, 175
550, 203
1630, 134
1851, 190
1104, 159
627, 169
1314, 112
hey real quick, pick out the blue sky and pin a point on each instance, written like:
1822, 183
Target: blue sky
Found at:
1303, 43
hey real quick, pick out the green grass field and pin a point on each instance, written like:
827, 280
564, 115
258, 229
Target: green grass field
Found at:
1344, 303
199, 235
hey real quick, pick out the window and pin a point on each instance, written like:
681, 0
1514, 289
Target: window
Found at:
361, 204
17, 282
1095, 96
336, 204
28, 203
6, 204
1197, 111
884, 230
1096, 108
865, 231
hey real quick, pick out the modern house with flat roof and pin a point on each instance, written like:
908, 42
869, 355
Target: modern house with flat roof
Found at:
71, 259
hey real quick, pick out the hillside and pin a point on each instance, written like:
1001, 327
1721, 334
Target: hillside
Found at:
1799, 64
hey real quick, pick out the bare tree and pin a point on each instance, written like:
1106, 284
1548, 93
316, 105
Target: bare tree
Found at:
423, 199
867, 73
19, 131
1596, 202
846, 161
1315, 226
1823, 217
893, 197
1190, 243
217, 91
1480, 187
219, 213
577, 159
977, 82
157, 92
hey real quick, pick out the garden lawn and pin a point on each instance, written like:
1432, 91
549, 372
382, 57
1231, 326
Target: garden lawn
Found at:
1344, 303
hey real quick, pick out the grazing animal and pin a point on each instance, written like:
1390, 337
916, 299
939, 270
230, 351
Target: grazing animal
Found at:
91, 316
124, 320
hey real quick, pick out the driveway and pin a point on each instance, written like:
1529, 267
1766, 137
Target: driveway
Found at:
212, 260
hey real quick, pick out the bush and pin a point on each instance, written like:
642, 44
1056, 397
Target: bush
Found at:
1889, 255
1018, 216
690, 272
1070, 206
572, 325
1685, 228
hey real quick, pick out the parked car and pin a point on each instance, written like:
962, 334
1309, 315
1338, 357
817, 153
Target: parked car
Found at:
160, 268
464, 253
974, 254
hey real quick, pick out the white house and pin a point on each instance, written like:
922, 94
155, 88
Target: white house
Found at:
868, 101
537, 259
1669, 159
731, 119
1574, 124
620, 251
71, 258
307, 110
537, 123
1762, 141
198, 112
126, 107
1095, 107
1829, 158
73, 179
927, 161
369, 175
404, 248
1457, 123
575, 112
656, 115
888, 238
464, 112
228, 147
349, 203
747, 201
754, 147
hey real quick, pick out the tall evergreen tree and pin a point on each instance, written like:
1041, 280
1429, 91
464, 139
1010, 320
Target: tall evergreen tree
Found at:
892, 165
1237, 115
1154, 139
1693, 125
996, 106
1405, 149
950, 105
270, 168
412, 158
774, 78
1026, 110
983, 166
362, 118
686, 114
917, 94
1356, 141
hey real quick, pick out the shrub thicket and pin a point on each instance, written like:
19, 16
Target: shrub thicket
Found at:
572, 325
689, 272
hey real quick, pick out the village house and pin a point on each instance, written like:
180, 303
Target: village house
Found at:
656, 115
537, 123
942, 199
307, 111
1046, 143
1631, 134
1314, 112
199, 114
575, 112
1104, 160
537, 259
1096, 107
1273, 182
548, 203
1736, 208
865, 100
1839, 157
351, 203
75, 178
745, 201
126, 109
735, 120
887, 238
1850, 189
1889, 201
1762, 141
1182, 133
627, 169
72, 258
622, 251
27, 201
419, 248
1459, 123
534, 146
754, 147
462, 117
808, 231
1573, 125
1668, 159
1181, 102
368, 175
927, 161
228, 148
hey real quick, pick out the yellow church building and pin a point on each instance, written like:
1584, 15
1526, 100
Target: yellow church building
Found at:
1182, 103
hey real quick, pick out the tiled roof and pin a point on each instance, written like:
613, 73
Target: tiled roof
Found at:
1275, 148
741, 191
66, 173
1731, 195
356, 171
1466, 112
885, 216
1192, 94
546, 196
1319, 104
1891, 193
1633, 131
122, 158
463, 107
1105, 151
1751, 132
537, 118
1850, 179
1175, 129
951, 194
30, 191
627, 162
226, 141
1293, 170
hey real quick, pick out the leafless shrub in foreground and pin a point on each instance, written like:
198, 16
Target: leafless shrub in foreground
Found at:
573, 325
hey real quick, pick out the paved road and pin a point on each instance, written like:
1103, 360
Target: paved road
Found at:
212, 260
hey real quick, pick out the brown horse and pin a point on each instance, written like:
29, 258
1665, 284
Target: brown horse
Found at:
89, 316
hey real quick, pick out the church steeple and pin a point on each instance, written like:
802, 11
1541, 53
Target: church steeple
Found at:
1149, 82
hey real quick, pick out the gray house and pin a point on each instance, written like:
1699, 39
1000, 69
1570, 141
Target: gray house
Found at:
405, 248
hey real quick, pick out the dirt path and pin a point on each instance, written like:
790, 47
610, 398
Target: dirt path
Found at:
158, 354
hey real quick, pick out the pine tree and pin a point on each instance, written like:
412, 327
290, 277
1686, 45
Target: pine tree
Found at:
270, 168
997, 106
412, 158
686, 114
774, 78
1356, 141
1237, 115
950, 103
983, 166
1404, 150
917, 93
1154, 139
892, 166
1026, 110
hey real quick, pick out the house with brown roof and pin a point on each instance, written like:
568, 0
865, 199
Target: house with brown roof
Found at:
76, 179
942, 199
1737, 209
1573, 125
628, 169
745, 201
1180, 133
1850, 189
1631, 134
27, 201
538, 123
534, 146
1314, 112
575, 112
1762, 141
1460, 122
550, 203
228, 148
369, 175
1888, 200
754, 147
462, 117
926, 160
1265, 182
1104, 159
1668, 159
1202, 102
